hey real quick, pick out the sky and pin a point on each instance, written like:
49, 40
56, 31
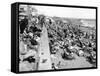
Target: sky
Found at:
67, 12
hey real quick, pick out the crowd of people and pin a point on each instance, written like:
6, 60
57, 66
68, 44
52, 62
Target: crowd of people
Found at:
63, 36
72, 40
30, 31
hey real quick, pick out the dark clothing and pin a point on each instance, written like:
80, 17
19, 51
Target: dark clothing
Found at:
34, 29
29, 59
33, 42
23, 25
